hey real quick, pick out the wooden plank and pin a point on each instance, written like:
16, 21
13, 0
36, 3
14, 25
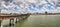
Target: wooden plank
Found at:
11, 16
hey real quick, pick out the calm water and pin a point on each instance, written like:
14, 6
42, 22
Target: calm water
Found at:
40, 21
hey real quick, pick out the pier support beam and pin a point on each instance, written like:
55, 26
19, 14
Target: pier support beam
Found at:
17, 20
0, 23
11, 22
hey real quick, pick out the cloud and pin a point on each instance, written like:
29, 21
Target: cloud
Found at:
32, 8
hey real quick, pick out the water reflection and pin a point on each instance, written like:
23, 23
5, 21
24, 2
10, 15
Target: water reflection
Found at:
41, 21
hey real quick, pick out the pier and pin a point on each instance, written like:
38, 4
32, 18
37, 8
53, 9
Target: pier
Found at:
11, 17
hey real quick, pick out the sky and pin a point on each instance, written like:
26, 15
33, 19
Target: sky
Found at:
31, 6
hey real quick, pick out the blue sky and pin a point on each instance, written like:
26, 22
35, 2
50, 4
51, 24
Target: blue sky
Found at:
35, 7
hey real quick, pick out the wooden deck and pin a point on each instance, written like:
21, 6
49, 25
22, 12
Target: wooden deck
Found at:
2, 16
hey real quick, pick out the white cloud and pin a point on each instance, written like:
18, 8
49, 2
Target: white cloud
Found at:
23, 10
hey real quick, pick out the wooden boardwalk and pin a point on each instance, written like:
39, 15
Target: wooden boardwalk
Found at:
2, 16
11, 16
